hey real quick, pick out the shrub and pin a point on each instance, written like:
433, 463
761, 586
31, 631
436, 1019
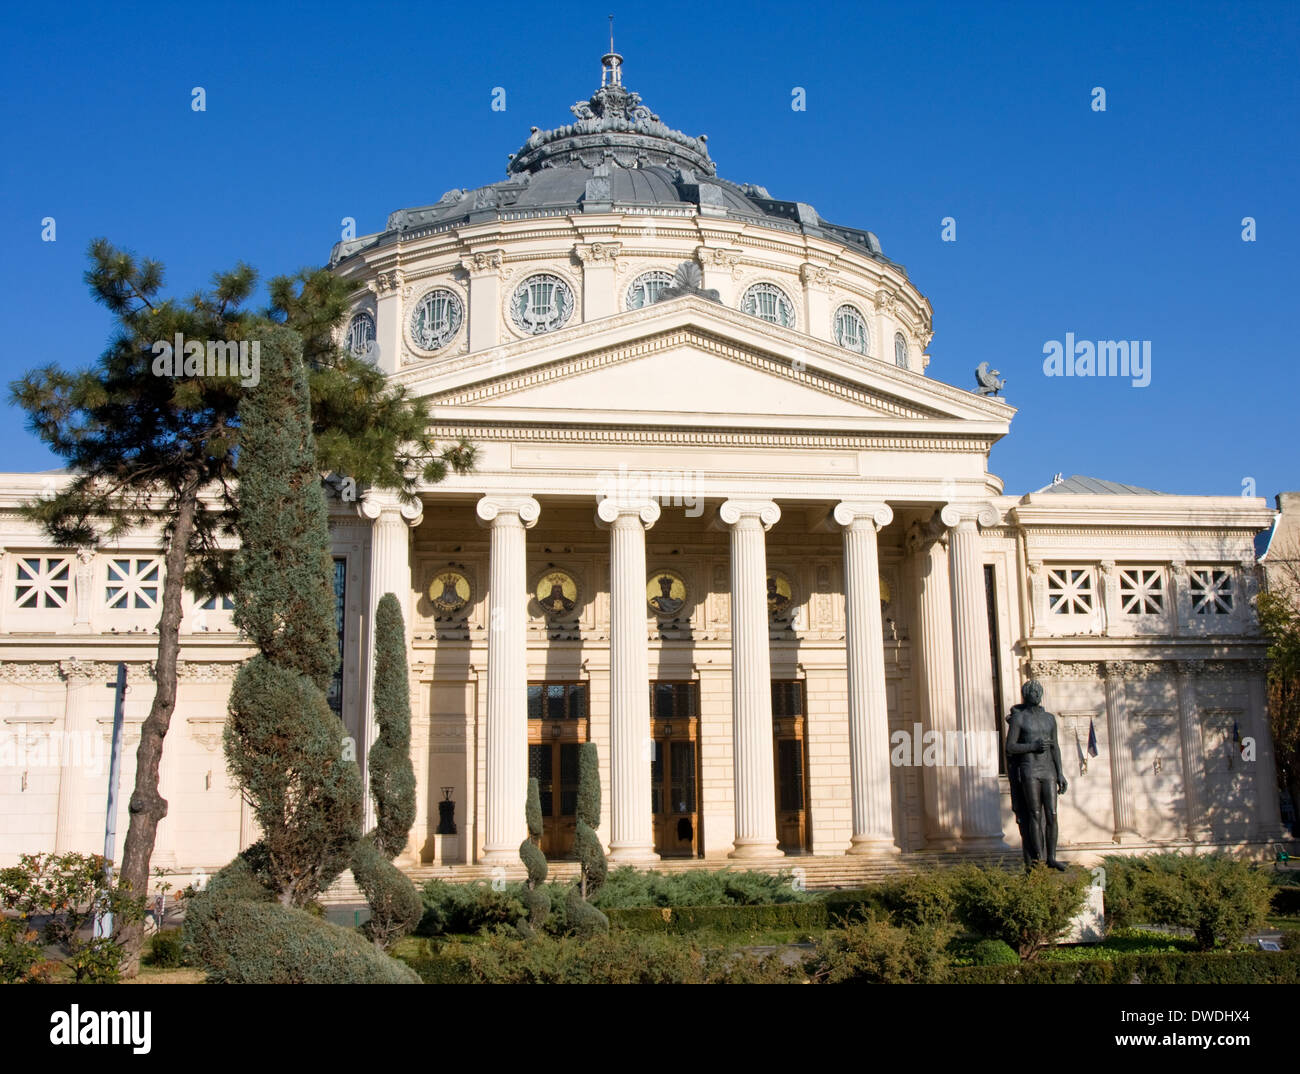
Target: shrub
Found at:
1291, 939
395, 905
468, 908
923, 899
993, 953
535, 896
166, 950
22, 956
1215, 967
1026, 910
877, 952
240, 935
608, 958
627, 886
804, 916
68, 891
584, 918
1218, 898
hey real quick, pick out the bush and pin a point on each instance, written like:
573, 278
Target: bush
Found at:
804, 916
468, 908
1218, 898
610, 958
1222, 968
68, 891
627, 886
395, 905
1027, 911
22, 956
166, 950
877, 952
993, 953
1291, 939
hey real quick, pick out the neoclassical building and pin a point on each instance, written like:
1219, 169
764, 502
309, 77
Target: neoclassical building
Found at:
724, 524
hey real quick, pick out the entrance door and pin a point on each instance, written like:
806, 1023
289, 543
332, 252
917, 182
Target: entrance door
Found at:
674, 768
789, 731
557, 727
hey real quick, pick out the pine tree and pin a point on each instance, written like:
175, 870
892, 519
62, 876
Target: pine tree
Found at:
583, 917
145, 449
395, 905
284, 745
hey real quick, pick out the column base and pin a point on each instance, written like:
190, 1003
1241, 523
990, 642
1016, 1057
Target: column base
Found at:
500, 856
985, 842
632, 854
880, 848
755, 850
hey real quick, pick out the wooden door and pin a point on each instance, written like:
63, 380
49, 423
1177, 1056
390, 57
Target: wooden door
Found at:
557, 727
675, 768
789, 734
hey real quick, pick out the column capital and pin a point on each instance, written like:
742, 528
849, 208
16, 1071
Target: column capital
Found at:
732, 511
982, 514
378, 502
483, 262
877, 513
609, 511
597, 253
489, 508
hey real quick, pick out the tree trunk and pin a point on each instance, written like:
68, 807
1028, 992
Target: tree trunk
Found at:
147, 807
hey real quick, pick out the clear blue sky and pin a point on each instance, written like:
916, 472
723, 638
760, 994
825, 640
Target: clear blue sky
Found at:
1117, 225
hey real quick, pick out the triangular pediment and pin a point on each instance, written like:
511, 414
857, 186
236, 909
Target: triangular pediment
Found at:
692, 363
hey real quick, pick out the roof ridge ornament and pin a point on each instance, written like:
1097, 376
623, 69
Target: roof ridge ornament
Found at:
612, 126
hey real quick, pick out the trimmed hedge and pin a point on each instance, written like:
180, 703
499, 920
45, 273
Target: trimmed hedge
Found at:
1198, 967
683, 919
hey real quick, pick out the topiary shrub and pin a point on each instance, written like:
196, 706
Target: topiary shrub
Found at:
468, 908
1218, 898
993, 953
395, 906
1026, 910
877, 952
584, 918
530, 853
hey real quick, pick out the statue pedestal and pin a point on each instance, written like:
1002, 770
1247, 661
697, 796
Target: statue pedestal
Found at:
447, 850
1089, 924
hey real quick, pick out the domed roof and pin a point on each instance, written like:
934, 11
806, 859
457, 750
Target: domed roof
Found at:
616, 156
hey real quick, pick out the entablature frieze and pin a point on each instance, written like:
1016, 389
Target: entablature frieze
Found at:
1127, 670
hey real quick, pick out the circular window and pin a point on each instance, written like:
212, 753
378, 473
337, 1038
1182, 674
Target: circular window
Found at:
646, 289
541, 304
769, 302
361, 337
851, 329
436, 319
900, 350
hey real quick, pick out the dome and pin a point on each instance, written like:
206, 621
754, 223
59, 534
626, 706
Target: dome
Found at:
617, 156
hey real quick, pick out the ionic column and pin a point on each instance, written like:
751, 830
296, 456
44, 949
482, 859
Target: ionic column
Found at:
508, 517
390, 572
1266, 792
751, 678
69, 831
869, 774
981, 811
1121, 758
941, 785
1193, 747
631, 822
389, 314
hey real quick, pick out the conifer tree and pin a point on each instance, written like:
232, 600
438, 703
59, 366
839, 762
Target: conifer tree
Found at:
144, 449
284, 745
530, 853
395, 905
583, 917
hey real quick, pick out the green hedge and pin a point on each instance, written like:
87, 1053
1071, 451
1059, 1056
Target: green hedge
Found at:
680, 919
1213, 967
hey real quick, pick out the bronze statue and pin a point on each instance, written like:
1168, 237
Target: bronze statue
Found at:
1034, 764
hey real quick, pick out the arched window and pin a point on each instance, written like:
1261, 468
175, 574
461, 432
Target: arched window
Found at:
851, 329
769, 302
646, 288
900, 350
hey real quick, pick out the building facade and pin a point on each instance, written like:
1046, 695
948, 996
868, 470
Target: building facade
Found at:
723, 524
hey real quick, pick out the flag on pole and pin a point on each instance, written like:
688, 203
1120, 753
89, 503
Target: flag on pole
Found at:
1092, 738
1078, 746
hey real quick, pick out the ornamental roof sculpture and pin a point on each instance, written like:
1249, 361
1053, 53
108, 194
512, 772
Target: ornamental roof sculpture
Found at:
616, 155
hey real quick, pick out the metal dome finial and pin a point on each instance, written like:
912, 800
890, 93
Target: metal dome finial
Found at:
611, 64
